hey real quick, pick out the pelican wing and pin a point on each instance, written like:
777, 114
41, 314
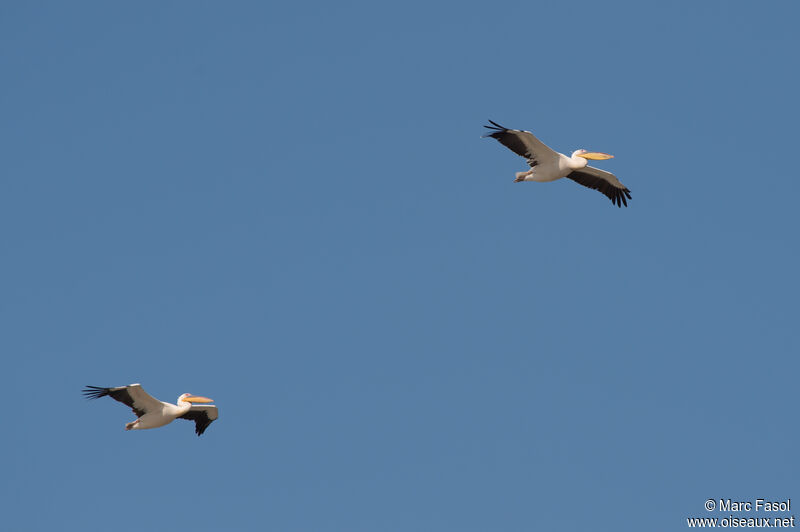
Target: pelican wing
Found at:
202, 415
133, 395
605, 182
522, 143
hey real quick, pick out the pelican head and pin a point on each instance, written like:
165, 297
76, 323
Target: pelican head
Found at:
189, 398
594, 155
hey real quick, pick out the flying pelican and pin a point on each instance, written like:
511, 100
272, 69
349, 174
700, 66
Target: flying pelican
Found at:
549, 165
152, 413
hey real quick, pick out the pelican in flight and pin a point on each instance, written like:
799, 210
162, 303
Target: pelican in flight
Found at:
548, 165
152, 413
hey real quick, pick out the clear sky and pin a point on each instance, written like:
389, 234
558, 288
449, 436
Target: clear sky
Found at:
288, 207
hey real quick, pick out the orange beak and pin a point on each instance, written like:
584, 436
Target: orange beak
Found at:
596, 156
198, 399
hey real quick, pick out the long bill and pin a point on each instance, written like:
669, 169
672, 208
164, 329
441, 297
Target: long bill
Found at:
198, 399
596, 156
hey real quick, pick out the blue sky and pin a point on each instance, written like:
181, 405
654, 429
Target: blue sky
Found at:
288, 208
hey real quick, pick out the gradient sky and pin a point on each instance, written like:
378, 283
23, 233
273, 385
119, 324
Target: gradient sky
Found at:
289, 208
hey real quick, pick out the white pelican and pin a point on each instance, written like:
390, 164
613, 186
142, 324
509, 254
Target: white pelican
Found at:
152, 413
549, 165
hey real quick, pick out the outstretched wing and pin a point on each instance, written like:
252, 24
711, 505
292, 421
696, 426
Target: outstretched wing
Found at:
202, 415
133, 395
605, 182
522, 143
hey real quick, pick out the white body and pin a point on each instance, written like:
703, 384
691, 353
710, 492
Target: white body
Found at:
554, 166
160, 415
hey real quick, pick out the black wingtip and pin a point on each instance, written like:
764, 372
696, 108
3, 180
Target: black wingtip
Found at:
619, 196
495, 127
94, 392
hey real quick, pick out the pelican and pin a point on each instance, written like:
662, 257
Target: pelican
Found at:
548, 165
152, 413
